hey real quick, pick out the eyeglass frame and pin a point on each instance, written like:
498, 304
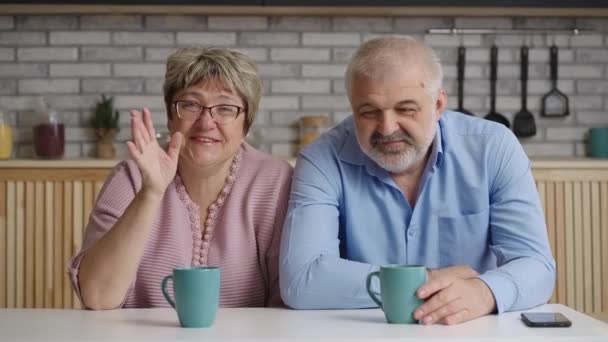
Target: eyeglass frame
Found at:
202, 112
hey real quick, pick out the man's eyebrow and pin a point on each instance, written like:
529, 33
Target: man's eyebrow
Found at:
364, 104
407, 102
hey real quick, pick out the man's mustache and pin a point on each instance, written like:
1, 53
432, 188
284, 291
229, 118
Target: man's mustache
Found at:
398, 135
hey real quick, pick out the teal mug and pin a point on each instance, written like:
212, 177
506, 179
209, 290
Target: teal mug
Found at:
597, 142
197, 295
398, 286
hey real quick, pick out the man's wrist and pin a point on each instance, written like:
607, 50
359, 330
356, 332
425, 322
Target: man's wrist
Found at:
487, 295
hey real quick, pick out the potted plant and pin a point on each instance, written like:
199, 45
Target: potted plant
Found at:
105, 123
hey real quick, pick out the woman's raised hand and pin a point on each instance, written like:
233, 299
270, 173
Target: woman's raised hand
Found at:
157, 167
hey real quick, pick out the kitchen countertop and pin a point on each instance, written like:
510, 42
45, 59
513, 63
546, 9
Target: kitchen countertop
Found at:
540, 163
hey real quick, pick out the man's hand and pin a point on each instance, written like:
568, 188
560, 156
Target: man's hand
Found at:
459, 271
452, 300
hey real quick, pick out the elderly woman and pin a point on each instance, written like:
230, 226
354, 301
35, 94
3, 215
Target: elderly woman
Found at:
208, 199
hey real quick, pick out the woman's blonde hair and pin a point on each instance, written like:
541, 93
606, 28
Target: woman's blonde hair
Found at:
230, 70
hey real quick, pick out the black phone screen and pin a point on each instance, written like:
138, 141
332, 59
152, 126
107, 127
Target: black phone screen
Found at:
545, 319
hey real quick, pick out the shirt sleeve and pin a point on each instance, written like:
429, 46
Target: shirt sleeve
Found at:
312, 274
525, 276
272, 256
113, 199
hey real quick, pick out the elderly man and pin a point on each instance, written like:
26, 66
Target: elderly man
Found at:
404, 181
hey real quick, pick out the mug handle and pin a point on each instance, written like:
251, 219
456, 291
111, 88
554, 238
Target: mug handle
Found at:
372, 294
164, 288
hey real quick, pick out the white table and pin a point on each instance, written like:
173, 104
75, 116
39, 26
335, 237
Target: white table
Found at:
262, 324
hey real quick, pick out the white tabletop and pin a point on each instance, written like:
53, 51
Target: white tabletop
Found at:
261, 324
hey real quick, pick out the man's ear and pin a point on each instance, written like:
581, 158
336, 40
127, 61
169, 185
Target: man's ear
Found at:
441, 103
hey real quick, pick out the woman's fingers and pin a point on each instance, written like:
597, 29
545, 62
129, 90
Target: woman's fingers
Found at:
150, 131
174, 145
136, 131
133, 151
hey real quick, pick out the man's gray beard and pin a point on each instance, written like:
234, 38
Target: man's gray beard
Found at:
400, 160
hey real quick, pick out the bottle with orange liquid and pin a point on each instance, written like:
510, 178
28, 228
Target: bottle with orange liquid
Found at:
6, 136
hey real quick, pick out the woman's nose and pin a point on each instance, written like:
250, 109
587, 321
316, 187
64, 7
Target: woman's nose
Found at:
206, 120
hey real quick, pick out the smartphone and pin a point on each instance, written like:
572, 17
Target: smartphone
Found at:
545, 320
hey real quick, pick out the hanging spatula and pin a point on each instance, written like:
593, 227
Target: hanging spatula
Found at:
554, 103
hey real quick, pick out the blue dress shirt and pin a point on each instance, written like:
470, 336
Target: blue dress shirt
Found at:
477, 205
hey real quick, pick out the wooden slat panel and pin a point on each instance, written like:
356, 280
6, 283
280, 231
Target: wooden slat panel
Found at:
578, 248
39, 243
569, 228
587, 252
604, 224
29, 246
54, 174
20, 247
59, 262
3, 259
77, 219
541, 186
11, 238
67, 238
98, 186
49, 224
595, 252
550, 217
89, 198
560, 249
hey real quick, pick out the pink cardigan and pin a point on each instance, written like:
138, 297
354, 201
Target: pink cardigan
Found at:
245, 232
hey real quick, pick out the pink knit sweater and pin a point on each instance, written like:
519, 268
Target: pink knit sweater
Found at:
241, 233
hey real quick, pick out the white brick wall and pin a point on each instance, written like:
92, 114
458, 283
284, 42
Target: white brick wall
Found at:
6, 22
176, 22
41, 86
207, 39
8, 87
80, 69
90, 53
237, 23
22, 38
299, 54
7, 54
300, 86
79, 38
269, 39
19, 70
73, 59
47, 54
111, 85
331, 39
143, 38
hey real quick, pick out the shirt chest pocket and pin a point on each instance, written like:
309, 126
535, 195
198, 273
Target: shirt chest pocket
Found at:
463, 239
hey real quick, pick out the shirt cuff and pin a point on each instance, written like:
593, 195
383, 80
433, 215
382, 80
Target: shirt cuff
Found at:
503, 288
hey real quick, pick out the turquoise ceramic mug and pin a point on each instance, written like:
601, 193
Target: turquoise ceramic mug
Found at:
197, 295
398, 286
597, 143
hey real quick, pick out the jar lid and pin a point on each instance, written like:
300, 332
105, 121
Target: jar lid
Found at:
314, 120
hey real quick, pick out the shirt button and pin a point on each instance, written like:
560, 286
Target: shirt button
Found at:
411, 233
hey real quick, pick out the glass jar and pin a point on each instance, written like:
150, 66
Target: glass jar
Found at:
311, 127
49, 133
6, 136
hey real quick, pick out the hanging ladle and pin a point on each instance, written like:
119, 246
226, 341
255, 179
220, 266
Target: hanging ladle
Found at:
493, 115
554, 103
461, 68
